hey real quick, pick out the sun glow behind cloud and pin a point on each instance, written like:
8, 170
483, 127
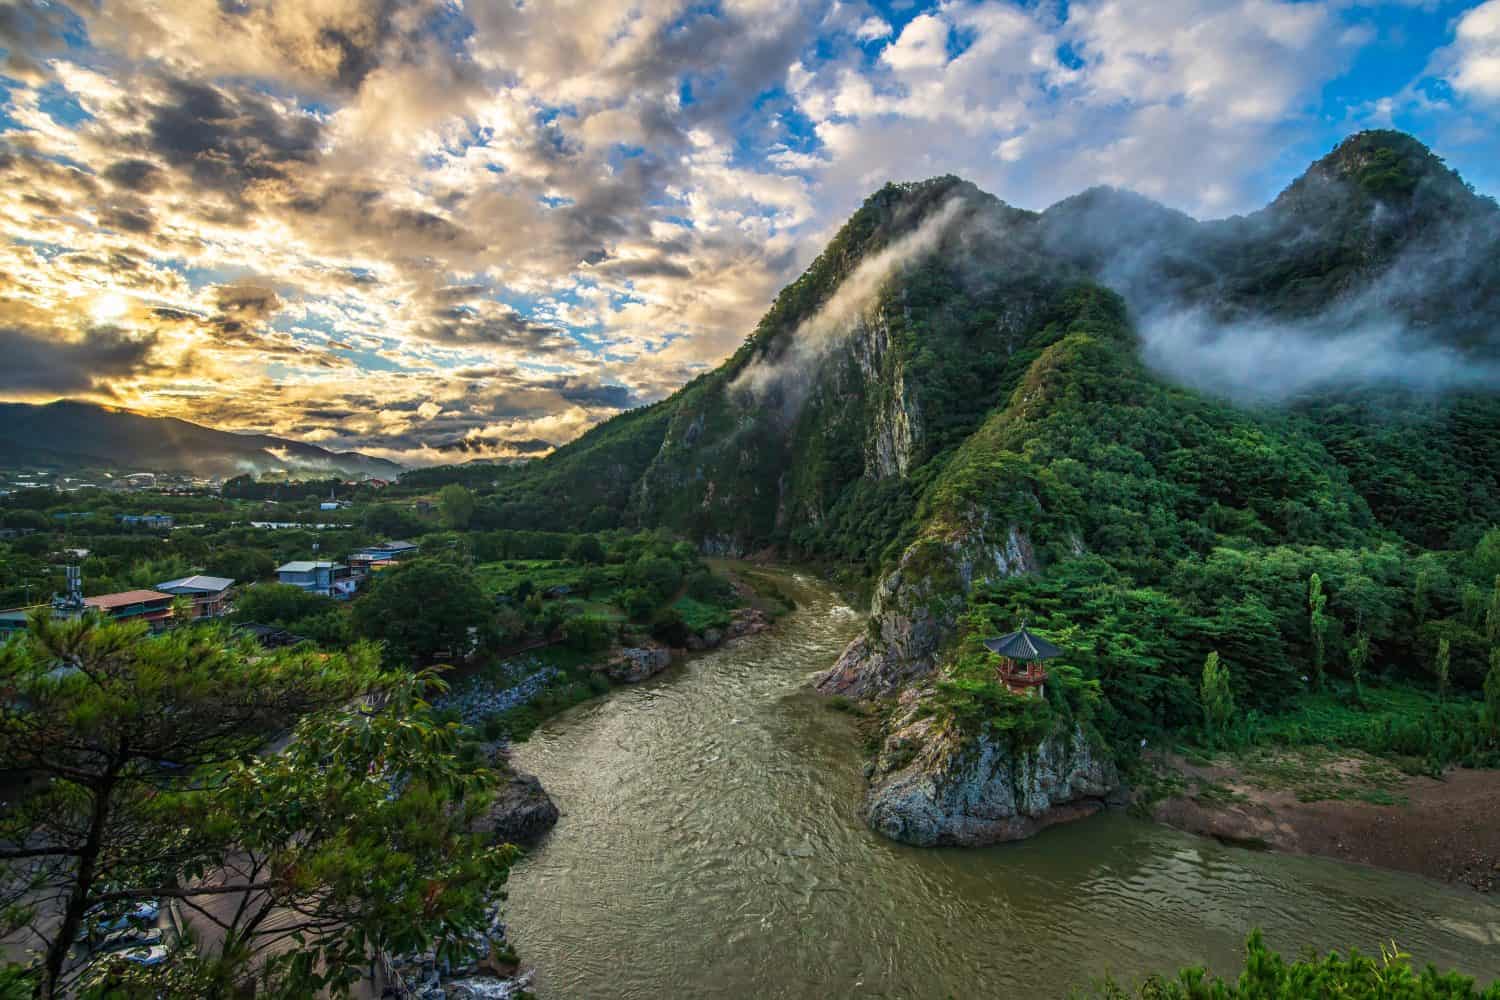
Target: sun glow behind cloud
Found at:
437, 232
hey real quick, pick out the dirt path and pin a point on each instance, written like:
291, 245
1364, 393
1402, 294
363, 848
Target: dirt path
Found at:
1447, 829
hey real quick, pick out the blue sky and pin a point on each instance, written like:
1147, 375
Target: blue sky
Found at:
437, 231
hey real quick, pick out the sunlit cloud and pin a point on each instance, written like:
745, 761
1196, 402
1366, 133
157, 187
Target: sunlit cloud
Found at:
437, 231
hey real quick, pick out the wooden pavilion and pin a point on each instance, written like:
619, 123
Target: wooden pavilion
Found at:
1020, 661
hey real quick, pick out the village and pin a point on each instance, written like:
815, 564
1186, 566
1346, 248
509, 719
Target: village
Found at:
523, 624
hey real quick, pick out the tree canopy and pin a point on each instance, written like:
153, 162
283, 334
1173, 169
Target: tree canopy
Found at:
157, 776
425, 607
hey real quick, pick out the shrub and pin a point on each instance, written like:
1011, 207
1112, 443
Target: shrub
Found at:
588, 633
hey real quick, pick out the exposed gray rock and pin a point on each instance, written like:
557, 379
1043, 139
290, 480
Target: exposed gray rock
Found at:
917, 605
487, 988
522, 811
513, 682
932, 786
746, 621
895, 432
636, 663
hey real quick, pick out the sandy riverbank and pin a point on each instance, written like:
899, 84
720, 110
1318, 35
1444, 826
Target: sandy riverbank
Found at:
1445, 829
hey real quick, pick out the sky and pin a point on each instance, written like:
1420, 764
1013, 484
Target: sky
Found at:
434, 230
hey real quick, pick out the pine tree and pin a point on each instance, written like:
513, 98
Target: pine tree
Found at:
1318, 624
1217, 697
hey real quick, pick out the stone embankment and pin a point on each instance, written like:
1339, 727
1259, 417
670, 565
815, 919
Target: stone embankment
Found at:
513, 684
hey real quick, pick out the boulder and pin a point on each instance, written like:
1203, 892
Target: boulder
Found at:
746, 621
636, 663
522, 811
932, 785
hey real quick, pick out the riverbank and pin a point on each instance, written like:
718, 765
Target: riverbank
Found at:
1349, 807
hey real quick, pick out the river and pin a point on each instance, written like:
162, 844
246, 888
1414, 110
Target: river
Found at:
711, 846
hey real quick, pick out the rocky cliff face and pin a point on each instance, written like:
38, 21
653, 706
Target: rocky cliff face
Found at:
932, 786
917, 604
895, 424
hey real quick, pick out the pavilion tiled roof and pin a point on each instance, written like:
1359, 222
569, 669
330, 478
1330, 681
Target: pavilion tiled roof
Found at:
1023, 645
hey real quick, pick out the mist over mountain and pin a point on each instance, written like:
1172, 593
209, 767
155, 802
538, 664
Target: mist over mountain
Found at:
1377, 266
72, 434
1364, 302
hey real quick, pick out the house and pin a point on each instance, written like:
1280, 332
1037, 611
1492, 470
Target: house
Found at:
150, 606
328, 505
153, 522
319, 577
210, 594
379, 556
14, 620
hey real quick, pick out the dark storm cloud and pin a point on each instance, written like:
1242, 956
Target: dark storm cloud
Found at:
136, 175
130, 217
229, 141
43, 364
484, 444
586, 393
487, 323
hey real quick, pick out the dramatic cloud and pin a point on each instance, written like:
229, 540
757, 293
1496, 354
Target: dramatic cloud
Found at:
432, 229
39, 365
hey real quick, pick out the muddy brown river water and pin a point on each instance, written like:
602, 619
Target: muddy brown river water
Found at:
711, 846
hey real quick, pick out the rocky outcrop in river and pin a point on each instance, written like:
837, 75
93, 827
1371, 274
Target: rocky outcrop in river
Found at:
635, 663
522, 811
931, 785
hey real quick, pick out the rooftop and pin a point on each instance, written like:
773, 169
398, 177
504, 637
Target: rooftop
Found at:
304, 566
1022, 645
198, 582
124, 599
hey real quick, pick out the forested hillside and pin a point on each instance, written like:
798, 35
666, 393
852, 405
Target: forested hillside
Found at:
1145, 433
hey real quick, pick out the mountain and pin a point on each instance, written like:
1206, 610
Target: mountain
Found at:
1143, 434
1374, 272
75, 434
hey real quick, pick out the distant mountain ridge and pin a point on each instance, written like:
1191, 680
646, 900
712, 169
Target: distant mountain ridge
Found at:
71, 433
